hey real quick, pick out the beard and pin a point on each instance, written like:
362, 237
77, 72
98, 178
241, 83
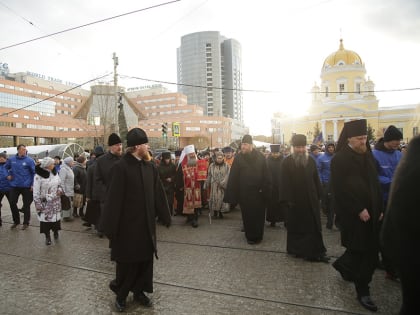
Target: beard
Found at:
301, 159
360, 150
192, 161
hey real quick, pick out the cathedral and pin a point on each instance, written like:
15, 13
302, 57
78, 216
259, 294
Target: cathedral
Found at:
345, 94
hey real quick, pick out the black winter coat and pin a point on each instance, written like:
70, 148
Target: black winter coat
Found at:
300, 188
400, 231
248, 178
355, 186
135, 197
103, 173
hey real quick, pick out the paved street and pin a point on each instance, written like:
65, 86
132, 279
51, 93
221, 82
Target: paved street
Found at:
209, 270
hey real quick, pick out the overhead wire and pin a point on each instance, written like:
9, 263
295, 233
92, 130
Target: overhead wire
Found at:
262, 91
89, 24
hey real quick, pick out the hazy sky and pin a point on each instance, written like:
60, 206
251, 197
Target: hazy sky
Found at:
284, 43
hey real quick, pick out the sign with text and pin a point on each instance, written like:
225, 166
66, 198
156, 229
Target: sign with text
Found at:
176, 129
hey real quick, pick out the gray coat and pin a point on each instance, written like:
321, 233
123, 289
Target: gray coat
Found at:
67, 180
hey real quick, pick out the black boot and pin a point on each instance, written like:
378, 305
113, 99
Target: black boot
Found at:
75, 215
215, 214
56, 234
47, 239
194, 222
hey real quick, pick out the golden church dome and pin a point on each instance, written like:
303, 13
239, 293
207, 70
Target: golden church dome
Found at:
342, 57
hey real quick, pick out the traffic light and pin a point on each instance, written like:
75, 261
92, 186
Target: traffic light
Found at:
164, 129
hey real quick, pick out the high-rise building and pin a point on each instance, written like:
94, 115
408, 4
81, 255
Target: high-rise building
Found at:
210, 73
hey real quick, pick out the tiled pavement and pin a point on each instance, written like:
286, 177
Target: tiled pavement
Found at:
208, 270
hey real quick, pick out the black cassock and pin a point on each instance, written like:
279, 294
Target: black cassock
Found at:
275, 210
249, 185
300, 189
135, 197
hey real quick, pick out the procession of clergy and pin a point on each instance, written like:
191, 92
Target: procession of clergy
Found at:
127, 194
350, 182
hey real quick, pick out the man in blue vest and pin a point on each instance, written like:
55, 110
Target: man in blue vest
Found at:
21, 176
387, 157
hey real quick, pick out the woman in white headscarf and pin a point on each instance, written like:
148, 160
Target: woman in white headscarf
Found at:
47, 191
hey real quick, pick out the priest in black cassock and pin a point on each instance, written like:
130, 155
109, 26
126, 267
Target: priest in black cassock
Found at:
358, 205
300, 190
249, 185
275, 210
135, 197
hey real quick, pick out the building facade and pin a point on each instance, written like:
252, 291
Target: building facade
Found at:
345, 94
39, 110
35, 109
160, 106
209, 69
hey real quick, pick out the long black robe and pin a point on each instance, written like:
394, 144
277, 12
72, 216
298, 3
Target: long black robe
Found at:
300, 189
168, 171
275, 210
355, 186
400, 231
249, 185
135, 197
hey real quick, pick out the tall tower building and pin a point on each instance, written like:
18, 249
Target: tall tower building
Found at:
210, 73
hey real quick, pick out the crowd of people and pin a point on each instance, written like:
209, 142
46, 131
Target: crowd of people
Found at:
123, 196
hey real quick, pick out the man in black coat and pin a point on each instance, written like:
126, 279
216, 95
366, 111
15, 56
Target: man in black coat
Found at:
249, 185
93, 207
135, 197
103, 170
358, 204
300, 189
275, 210
167, 171
400, 231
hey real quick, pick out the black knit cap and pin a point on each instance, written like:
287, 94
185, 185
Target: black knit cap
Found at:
313, 147
166, 155
275, 148
99, 150
298, 140
247, 139
178, 152
136, 136
227, 149
114, 139
392, 133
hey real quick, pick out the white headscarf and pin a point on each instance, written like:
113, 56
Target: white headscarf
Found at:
46, 162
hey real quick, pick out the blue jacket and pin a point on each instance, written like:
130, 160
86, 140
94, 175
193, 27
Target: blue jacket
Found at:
324, 162
22, 170
4, 182
386, 164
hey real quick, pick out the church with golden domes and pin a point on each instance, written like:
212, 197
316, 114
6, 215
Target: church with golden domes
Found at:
345, 94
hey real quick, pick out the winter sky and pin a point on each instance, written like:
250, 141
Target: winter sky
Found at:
284, 44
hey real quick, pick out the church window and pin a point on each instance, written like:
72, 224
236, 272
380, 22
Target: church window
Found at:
341, 88
358, 90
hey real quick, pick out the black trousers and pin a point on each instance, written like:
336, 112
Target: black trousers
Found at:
27, 198
135, 277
